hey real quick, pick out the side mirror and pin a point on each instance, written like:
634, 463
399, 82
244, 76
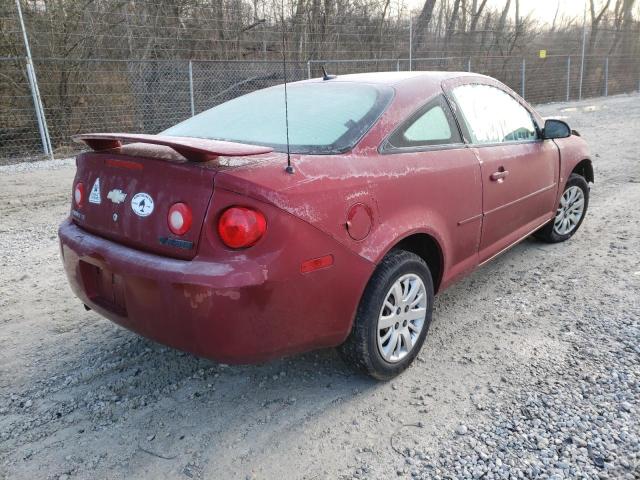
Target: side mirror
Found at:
556, 129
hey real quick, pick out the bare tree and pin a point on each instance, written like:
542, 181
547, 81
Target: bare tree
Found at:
476, 14
596, 18
422, 24
449, 33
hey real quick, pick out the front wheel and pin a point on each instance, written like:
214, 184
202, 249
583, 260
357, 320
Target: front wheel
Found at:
393, 317
570, 212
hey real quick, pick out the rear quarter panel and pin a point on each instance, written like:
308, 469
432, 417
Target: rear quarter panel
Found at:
286, 308
438, 193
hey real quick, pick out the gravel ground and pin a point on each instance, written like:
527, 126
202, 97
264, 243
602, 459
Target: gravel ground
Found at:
530, 370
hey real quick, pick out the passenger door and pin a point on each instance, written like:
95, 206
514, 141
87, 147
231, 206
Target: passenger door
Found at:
519, 169
437, 181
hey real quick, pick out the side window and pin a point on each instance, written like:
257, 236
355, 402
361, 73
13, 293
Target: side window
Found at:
431, 125
493, 116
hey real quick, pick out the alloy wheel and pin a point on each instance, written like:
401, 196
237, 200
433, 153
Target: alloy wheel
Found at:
402, 317
569, 211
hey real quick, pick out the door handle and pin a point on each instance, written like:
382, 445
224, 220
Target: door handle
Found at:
500, 175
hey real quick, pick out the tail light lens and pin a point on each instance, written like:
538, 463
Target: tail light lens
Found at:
78, 194
179, 218
241, 227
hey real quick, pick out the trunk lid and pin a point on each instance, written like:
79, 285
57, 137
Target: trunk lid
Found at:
129, 190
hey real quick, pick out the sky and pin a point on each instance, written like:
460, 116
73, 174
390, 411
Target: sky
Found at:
543, 10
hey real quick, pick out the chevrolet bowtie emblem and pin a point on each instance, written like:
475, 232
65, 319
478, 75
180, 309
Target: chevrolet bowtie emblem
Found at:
116, 195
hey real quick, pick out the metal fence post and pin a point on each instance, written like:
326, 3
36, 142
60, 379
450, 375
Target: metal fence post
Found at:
568, 77
524, 78
35, 91
606, 76
469, 64
308, 68
410, 43
41, 108
584, 39
397, 65
193, 105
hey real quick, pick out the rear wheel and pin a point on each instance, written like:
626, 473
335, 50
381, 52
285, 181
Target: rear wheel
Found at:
393, 317
570, 212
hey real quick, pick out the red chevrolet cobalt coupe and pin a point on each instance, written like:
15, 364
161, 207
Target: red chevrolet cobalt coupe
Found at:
399, 184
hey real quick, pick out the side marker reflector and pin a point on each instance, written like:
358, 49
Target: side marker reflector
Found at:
316, 264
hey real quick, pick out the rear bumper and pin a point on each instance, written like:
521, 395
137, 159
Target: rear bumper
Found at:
241, 311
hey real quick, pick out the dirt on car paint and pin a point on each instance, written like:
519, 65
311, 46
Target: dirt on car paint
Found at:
83, 398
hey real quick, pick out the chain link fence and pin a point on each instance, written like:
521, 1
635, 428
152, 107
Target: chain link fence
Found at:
149, 96
18, 121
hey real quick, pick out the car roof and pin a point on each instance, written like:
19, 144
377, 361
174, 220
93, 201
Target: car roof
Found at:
397, 78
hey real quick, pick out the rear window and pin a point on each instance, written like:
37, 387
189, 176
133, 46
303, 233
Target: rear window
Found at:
327, 117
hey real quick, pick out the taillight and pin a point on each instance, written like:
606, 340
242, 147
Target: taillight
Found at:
241, 227
78, 194
179, 218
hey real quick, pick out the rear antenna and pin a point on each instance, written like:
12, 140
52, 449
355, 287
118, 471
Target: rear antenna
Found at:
289, 168
325, 75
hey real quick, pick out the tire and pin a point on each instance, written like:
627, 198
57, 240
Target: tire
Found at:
365, 349
554, 231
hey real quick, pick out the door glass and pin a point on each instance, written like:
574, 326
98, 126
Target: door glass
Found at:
431, 126
493, 116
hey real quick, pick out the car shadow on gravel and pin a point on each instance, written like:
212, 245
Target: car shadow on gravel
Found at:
116, 395
113, 381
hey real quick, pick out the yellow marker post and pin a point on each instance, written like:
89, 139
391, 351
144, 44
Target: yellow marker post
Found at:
543, 54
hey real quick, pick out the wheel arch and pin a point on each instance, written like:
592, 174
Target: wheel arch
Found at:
428, 248
585, 169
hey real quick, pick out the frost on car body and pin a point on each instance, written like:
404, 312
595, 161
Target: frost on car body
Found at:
452, 168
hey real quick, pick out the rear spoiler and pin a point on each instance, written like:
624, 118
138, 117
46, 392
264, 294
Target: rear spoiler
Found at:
193, 149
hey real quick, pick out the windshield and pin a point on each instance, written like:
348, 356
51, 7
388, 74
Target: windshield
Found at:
327, 117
